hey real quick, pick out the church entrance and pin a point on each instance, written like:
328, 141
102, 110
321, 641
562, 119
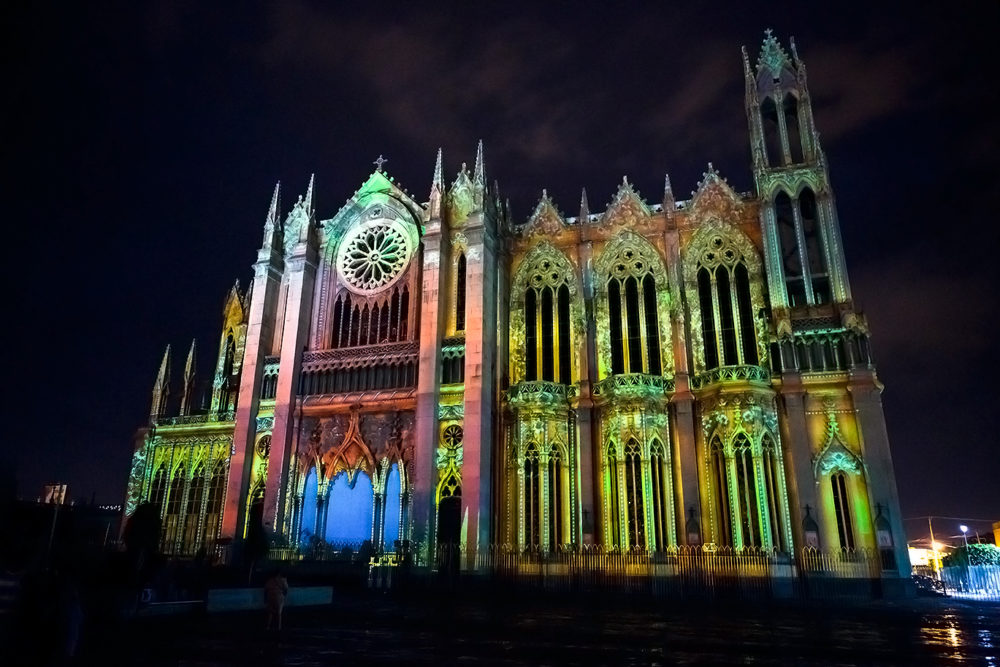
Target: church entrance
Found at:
449, 533
450, 519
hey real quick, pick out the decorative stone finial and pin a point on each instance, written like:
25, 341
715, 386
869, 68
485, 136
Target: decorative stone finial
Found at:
379, 162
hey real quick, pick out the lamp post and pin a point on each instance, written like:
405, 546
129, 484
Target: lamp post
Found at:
965, 529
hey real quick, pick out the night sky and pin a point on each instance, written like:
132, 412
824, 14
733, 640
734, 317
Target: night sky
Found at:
143, 143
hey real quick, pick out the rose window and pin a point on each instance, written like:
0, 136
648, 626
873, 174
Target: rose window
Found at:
453, 435
374, 255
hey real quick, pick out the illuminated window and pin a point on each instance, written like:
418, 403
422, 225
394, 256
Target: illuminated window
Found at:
614, 497
634, 495
633, 323
195, 497
556, 487
772, 489
845, 527
547, 326
726, 309
532, 497
720, 485
175, 500
357, 322
213, 508
746, 492
660, 483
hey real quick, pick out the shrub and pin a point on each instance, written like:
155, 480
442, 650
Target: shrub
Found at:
974, 554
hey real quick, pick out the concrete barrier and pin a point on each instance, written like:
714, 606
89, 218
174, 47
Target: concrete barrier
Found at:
241, 599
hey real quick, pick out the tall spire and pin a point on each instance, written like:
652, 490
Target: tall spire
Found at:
668, 195
308, 202
437, 188
187, 400
479, 175
273, 220
584, 207
189, 365
161, 388
299, 222
438, 181
274, 211
479, 178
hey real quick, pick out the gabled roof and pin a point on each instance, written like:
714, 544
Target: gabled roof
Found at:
772, 56
378, 184
627, 207
546, 218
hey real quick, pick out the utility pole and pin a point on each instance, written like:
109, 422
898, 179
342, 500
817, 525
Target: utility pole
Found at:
930, 524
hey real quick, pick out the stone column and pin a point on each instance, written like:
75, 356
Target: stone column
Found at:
866, 392
684, 440
259, 339
428, 388
480, 381
797, 456
299, 279
588, 453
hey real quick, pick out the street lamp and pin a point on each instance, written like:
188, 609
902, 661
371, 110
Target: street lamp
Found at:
965, 529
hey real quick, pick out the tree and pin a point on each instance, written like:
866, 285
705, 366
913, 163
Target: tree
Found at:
973, 554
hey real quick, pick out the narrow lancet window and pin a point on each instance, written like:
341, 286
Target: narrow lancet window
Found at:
530, 336
635, 496
565, 349
460, 294
791, 110
845, 527
707, 319
615, 320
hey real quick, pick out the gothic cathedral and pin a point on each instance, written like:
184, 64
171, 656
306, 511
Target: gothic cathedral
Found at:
408, 374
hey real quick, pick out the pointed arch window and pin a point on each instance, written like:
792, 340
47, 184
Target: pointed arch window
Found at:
556, 488
727, 318
213, 506
720, 486
792, 130
815, 254
807, 279
196, 496
772, 134
635, 495
773, 492
746, 492
158, 489
547, 323
660, 482
460, 293
532, 497
633, 318
612, 489
358, 322
841, 506
175, 501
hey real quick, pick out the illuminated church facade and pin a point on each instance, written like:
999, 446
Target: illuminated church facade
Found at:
640, 378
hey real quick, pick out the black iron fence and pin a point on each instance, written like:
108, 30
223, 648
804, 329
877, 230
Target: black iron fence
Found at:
685, 572
976, 582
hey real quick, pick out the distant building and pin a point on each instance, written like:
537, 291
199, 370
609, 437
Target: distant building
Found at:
54, 494
648, 376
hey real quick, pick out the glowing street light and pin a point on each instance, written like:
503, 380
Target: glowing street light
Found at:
965, 529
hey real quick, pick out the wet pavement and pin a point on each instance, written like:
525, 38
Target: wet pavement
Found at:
375, 629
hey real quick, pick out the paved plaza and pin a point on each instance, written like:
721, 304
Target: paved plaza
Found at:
377, 630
